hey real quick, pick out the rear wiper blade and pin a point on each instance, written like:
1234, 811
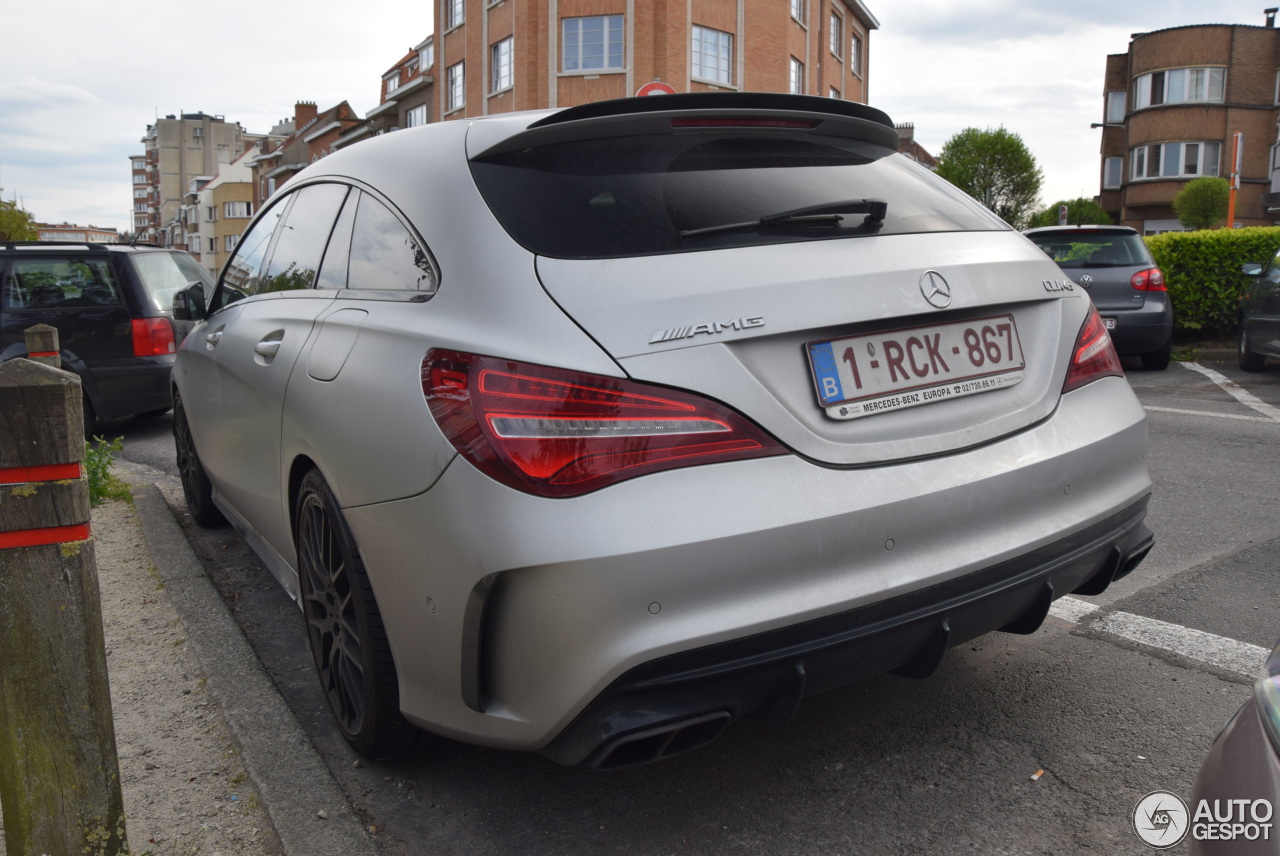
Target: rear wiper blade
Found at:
828, 212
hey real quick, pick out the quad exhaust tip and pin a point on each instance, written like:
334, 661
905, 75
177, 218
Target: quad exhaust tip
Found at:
661, 741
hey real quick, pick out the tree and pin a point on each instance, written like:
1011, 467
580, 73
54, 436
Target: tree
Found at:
996, 168
16, 224
1079, 212
1203, 202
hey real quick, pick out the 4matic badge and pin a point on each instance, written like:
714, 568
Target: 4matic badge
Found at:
710, 329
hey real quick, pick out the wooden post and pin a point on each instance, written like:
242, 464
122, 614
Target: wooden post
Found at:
42, 345
59, 777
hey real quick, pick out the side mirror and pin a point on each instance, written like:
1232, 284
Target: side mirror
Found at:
1251, 269
188, 304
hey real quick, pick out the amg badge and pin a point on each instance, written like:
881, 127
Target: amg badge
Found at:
711, 329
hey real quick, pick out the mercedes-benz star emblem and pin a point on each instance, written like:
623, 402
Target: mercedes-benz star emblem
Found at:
935, 289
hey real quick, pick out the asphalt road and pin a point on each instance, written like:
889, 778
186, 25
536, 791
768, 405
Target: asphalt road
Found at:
893, 765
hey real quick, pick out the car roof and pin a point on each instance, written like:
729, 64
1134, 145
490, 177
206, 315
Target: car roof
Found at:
64, 246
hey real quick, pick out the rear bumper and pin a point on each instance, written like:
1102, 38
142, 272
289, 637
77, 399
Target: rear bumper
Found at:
1140, 331
679, 702
128, 387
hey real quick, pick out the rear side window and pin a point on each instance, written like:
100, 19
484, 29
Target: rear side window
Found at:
636, 195
165, 274
59, 284
1081, 249
385, 256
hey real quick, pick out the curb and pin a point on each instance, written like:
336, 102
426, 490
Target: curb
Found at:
291, 778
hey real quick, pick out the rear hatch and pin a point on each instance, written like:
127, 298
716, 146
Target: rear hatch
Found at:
1102, 261
775, 253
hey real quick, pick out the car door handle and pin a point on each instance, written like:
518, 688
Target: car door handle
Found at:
214, 338
268, 347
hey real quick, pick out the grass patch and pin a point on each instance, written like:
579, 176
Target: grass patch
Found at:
99, 458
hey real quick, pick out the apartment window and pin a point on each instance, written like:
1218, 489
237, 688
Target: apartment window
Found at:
139, 179
237, 209
139, 164
140, 207
197, 132
593, 44
712, 55
428, 57
139, 193
229, 242
500, 64
208, 214
416, 116
855, 54
1115, 108
837, 34
833, 93
1179, 86
139, 222
1112, 171
454, 12
797, 77
213, 245
797, 10
1174, 160
393, 82
457, 88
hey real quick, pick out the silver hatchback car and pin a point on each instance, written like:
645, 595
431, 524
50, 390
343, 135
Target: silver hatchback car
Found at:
589, 431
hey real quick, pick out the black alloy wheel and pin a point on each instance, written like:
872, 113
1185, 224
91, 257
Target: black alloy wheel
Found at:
344, 628
195, 482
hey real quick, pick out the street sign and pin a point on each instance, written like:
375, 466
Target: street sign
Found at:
657, 87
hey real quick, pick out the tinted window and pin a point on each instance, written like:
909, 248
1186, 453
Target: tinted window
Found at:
60, 284
302, 239
634, 196
165, 274
384, 254
1081, 249
244, 269
333, 272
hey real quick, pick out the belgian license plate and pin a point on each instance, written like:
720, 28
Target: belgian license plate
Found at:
878, 372
1109, 323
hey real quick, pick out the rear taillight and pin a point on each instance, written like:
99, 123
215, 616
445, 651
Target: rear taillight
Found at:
153, 337
1093, 356
1150, 279
558, 433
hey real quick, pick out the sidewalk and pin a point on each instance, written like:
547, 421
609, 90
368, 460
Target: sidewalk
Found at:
212, 760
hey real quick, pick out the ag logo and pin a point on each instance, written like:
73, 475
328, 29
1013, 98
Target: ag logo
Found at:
1161, 819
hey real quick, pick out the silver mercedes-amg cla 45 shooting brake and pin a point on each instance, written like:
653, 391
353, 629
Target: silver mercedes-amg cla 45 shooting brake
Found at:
589, 431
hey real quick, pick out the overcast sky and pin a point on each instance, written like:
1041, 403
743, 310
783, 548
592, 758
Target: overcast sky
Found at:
80, 80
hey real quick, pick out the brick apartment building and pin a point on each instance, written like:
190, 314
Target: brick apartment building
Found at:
1172, 105
487, 57
314, 134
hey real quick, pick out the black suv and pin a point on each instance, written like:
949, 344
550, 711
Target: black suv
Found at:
112, 305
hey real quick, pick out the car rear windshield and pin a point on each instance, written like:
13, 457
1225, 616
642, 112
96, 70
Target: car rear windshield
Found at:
165, 274
1085, 249
635, 196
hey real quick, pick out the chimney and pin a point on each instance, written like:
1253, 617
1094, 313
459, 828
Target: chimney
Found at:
1271, 18
303, 112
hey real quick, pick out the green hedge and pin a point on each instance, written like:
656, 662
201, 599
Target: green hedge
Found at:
1202, 270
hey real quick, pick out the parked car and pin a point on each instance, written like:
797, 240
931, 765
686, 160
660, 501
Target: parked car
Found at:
1240, 778
1113, 264
112, 306
589, 431
1260, 316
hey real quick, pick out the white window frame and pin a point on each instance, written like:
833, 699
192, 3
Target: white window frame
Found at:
712, 55
1152, 162
797, 11
855, 53
1117, 101
612, 24
796, 77
1112, 173
501, 65
835, 41
455, 14
393, 82
237, 210
457, 86
427, 57
229, 242
139, 193
415, 116
1194, 85
834, 93
139, 179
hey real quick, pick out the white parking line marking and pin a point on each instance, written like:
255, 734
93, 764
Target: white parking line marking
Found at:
1237, 392
1242, 658
1239, 416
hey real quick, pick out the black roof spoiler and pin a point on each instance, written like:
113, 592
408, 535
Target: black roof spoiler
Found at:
655, 114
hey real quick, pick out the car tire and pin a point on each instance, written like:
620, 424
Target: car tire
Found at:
195, 482
1249, 361
1158, 360
344, 628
